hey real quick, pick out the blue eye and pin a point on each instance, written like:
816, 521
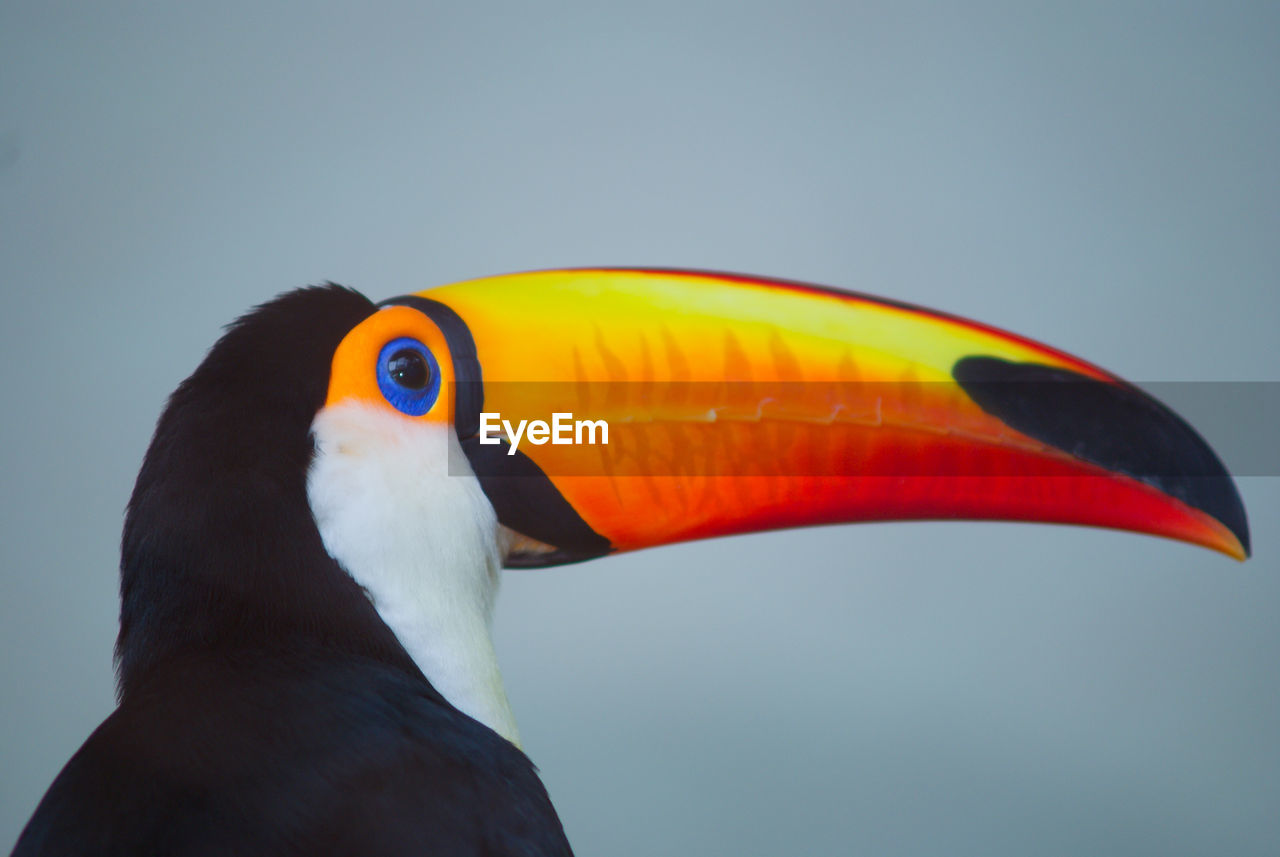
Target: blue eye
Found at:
408, 376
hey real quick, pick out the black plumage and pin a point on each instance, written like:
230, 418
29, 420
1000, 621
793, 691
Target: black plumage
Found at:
264, 707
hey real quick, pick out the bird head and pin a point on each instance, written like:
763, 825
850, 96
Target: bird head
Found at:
413, 448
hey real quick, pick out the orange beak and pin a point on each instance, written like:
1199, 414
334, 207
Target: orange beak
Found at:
734, 404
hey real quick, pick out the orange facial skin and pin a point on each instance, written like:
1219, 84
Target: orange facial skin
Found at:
353, 375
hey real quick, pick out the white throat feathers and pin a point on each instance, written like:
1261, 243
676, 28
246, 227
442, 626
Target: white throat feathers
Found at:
399, 508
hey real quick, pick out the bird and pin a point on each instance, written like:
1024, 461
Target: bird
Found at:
314, 543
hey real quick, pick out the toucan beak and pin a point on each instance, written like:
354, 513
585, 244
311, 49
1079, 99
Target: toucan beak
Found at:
735, 404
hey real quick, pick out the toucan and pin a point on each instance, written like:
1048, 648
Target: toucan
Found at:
313, 546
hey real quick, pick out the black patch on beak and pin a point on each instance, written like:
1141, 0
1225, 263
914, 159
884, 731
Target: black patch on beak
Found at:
1115, 426
529, 503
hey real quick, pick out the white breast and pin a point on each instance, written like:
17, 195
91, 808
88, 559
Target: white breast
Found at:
399, 508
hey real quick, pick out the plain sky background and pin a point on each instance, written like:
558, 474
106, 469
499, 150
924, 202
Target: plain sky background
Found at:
1104, 177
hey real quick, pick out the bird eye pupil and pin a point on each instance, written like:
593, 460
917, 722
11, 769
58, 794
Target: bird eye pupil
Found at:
408, 368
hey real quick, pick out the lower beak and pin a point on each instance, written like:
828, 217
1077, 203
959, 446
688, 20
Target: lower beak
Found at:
734, 404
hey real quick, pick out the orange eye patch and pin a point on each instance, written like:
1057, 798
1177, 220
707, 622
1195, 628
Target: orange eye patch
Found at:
366, 370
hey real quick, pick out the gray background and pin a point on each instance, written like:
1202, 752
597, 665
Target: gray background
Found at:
1103, 177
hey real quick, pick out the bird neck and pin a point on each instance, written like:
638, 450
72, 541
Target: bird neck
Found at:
397, 506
